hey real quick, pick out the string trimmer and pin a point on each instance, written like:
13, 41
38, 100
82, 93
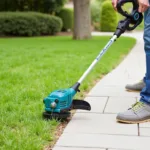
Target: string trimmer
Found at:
60, 102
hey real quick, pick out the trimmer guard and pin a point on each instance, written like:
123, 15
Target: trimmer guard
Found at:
80, 104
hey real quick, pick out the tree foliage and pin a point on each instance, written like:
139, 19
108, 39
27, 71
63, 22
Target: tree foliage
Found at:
45, 6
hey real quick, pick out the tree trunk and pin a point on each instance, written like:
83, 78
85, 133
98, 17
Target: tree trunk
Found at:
82, 19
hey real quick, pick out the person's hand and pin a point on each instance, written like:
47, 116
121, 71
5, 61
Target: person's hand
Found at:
114, 3
143, 5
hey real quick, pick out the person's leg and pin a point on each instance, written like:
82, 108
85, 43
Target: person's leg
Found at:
145, 93
140, 111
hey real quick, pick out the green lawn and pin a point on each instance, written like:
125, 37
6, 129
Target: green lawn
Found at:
33, 67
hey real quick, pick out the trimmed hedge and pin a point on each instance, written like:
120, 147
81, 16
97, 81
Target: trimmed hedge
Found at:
28, 24
108, 17
66, 14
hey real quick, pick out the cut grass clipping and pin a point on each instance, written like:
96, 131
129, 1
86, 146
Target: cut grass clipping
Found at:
33, 67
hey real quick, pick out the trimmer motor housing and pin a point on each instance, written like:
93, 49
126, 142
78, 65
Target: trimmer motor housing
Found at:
60, 102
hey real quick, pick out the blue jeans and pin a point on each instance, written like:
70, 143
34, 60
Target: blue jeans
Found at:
145, 93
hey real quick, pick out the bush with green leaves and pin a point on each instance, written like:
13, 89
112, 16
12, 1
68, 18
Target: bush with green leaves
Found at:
66, 14
108, 17
95, 11
28, 24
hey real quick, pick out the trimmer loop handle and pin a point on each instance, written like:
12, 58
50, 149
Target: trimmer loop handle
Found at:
135, 16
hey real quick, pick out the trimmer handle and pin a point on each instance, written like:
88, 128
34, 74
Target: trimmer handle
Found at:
120, 3
135, 16
131, 20
135, 23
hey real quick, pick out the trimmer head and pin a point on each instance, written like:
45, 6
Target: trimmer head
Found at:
57, 116
59, 103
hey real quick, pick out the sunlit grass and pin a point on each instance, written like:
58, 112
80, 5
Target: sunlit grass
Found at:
33, 67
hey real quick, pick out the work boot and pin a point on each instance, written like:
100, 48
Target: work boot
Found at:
138, 113
135, 87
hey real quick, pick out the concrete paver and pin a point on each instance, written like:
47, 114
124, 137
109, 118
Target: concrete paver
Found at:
117, 104
144, 132
98, 128
104, 141
145, 125
97, 104
120, 149
75, 148
111, 91
99, 124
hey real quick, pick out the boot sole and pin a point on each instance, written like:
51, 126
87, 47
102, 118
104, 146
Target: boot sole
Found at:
137, 91
133, 122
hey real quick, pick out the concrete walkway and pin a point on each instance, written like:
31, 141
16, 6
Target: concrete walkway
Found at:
98, 129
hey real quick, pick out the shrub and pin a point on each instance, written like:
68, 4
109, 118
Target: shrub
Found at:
100, 1
108, 17
66, 14
28, 24
95, 11
95, 14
